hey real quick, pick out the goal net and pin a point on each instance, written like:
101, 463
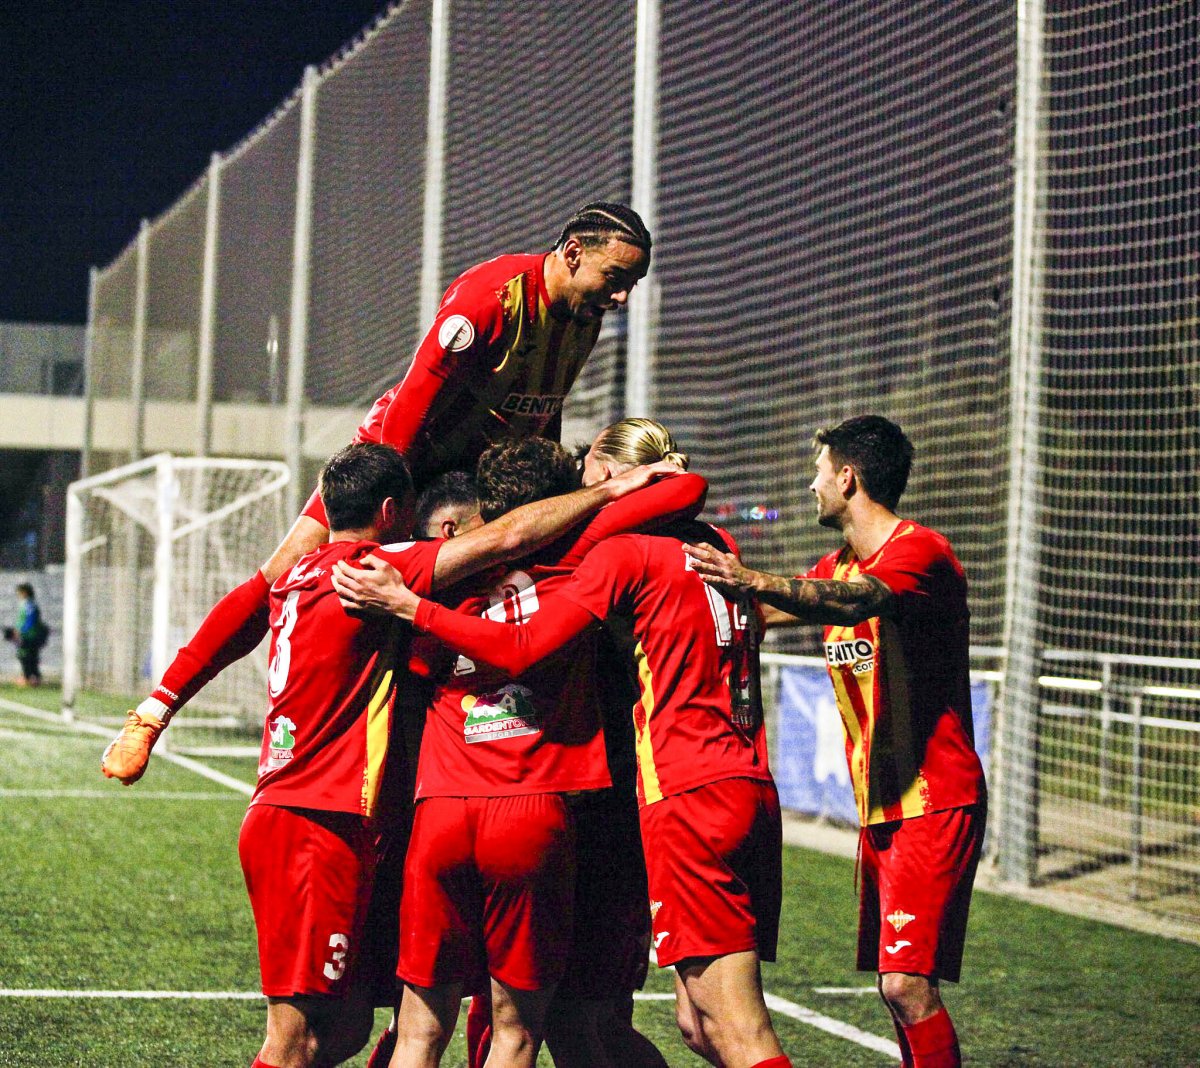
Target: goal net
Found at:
151, 546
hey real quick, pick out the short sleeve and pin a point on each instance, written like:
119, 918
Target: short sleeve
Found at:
415, 560
921, 572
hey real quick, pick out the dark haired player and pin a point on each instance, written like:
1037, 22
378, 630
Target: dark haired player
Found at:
505, 347
309, 840
491, 863
307, 844
893, 600
709, 811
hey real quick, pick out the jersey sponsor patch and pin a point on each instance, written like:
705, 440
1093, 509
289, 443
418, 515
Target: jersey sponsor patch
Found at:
283, 741
456, 333
506, 713
856, 653
542, 405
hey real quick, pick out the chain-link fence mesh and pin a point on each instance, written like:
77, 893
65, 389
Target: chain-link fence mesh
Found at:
841, 194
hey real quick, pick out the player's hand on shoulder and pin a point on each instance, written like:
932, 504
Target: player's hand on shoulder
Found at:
637, 477
722, 570
377, 588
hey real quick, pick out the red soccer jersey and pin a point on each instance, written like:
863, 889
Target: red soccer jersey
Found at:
331, 680
699, 719
903, 684
495, 365
489, 735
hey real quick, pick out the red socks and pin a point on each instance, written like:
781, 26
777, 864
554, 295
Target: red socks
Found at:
260, 1063
906, 1060
381, 1055
782, 1061
933, 1042
479, 1031
232, 629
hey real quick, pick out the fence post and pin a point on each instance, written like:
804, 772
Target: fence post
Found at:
1106, 722
1018, 808
639, 348
1135, 796
298, 320
137, 376
208, 310
435, 163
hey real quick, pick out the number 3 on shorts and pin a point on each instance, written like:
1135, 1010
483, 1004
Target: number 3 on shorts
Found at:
335, 967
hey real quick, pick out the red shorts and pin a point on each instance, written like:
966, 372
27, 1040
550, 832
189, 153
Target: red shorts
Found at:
309, 875
610, 942
489, 881
917, 876
714, 859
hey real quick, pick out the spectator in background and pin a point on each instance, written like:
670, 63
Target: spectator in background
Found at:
29, 636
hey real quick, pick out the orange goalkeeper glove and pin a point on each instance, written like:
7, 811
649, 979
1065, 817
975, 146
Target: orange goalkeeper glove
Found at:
129, 752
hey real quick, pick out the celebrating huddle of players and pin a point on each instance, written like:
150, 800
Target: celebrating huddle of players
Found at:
514, 741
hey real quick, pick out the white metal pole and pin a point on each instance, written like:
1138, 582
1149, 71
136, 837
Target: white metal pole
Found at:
89, 377
435, 162
298, 321
72, 576
137, 376
208, 310
1018, 793
160, 618
643, 307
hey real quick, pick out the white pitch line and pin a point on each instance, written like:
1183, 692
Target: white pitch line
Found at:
145, 995
104, 732
832, 1026
776, 1004
125, 795
845, 991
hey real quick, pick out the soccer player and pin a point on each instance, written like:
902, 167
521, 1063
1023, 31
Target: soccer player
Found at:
309, 841
491, 862
709, 814
893, 600
307, 844
505, 347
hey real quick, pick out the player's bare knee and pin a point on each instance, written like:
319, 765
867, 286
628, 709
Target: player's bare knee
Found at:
911, 998
691, 1029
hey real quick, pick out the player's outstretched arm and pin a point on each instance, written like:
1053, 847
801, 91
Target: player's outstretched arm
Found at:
528, 528
231, 630
510, 648
835, 601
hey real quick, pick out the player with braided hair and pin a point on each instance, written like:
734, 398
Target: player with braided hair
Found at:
507, 343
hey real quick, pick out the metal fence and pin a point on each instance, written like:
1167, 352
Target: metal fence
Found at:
979, 218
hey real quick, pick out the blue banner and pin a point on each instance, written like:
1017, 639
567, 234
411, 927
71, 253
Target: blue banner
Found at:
809, 761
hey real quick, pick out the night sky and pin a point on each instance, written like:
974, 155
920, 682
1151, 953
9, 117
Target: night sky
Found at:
109, 111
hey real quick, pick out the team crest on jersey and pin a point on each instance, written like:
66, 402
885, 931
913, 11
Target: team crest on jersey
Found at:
900, 919
506, 713
283, 741
456, 333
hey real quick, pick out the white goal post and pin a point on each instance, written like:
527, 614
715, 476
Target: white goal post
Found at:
150, 547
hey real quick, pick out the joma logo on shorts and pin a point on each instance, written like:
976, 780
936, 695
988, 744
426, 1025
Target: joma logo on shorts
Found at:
531, 404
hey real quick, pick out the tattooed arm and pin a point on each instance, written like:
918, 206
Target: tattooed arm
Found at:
807, 600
